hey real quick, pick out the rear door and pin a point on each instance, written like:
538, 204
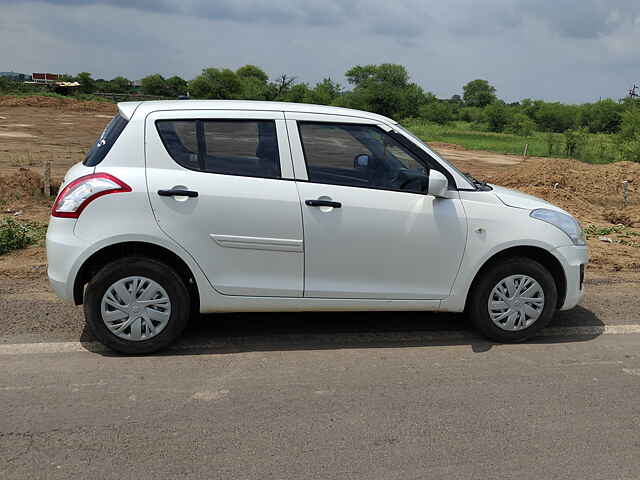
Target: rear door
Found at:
220, 185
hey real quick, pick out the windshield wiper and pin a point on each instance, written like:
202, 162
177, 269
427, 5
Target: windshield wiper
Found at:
478, 183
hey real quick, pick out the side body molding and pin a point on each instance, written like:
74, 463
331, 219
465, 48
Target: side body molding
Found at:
259, 243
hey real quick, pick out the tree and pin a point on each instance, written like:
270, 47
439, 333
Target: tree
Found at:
439, 111
456, 100
325, 92
119, 85
521, 124
176, 86
216, 84
603, 116
498, 116
479, 93
87, 84
384, 89
254, 82
298, 93
155, 85
251, 71
556, 117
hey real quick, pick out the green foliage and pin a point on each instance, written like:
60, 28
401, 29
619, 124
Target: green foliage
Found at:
603, 116
87, 83
498, 116
119, 85
592, 230
213, 83
176, 86
479, 93
441, 112
254, 83
384, 89
520, 124
472, 115
15, 235
574, 142
325, 92
297, 93
155, 85
555, 117
595, 148
629, 135
253, 72
630, 124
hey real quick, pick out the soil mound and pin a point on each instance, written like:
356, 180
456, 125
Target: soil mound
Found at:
68, 104
22, 185
591, 192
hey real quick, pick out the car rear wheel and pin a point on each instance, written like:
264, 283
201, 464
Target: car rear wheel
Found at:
513, 300
136, 305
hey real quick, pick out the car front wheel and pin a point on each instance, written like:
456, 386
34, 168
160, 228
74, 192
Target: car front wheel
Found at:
136, 305
513, 300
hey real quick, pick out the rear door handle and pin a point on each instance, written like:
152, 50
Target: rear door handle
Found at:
177, 193
323, 203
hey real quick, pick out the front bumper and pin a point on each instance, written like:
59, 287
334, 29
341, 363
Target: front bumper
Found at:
574, 260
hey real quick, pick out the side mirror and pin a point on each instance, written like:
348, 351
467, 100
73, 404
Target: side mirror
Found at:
438, 184
361, 161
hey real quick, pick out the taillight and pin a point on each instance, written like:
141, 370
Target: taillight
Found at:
74, 198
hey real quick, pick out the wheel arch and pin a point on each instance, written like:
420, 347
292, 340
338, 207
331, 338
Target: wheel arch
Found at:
538, 254
105, 255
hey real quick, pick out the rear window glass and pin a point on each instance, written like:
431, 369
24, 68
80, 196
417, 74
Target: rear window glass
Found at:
108, 137
230, 147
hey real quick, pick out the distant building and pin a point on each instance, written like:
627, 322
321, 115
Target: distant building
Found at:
45, 77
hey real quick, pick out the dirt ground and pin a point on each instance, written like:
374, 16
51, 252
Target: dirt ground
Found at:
36, 130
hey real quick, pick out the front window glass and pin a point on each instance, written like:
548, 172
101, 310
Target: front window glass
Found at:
440, 158
360, 156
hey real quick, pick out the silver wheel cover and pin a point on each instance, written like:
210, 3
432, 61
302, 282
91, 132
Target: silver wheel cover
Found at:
516, 302
135, 308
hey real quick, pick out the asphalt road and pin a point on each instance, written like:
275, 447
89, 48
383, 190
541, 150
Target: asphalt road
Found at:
394, 395
328, 405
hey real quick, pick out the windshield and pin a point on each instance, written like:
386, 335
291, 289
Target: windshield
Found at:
108, 137
469, 179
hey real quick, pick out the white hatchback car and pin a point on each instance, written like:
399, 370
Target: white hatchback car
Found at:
220, 206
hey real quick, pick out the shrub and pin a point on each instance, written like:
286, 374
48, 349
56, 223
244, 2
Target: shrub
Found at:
521, 124
437, 112
15, 235
498, 116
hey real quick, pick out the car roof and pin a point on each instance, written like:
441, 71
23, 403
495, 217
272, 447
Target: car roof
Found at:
127, 109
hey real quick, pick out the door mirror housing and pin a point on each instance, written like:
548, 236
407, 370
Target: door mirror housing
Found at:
438, 184
361, 161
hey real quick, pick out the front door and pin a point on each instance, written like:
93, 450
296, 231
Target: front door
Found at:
220, 185
370, 230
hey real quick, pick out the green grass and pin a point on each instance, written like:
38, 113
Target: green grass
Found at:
19, 234
597, 148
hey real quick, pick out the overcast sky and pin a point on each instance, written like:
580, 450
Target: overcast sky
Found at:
564, 50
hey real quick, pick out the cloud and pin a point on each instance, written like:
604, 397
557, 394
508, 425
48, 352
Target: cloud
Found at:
583, 19
561, 50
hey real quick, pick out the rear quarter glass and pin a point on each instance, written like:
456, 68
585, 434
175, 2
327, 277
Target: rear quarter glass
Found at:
108, 137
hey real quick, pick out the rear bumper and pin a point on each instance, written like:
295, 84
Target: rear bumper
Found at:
63, 251
574, 260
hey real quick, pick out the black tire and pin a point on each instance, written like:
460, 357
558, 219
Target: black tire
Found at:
150, 268
478, 308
